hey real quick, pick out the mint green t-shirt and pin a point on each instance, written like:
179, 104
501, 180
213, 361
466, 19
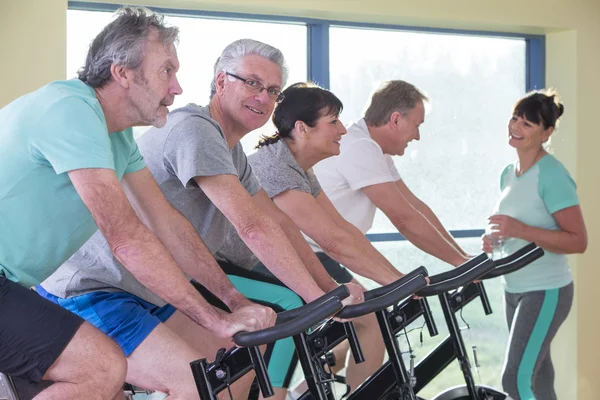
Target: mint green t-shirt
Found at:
532, 198
43, 135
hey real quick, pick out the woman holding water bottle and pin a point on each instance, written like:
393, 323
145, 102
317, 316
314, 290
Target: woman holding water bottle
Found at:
538, 204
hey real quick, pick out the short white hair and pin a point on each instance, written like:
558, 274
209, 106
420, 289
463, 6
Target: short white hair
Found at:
229, 59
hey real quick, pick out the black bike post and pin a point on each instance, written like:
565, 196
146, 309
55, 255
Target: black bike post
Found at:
311, 372
395, 355
260, 368
459, 345
199, 368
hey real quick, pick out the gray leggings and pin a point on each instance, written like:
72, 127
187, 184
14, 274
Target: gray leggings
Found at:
533, 319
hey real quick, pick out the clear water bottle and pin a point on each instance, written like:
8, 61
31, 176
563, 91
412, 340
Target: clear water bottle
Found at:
496, 241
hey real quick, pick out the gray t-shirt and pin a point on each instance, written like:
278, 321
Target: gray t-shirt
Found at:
277, 171
190, 144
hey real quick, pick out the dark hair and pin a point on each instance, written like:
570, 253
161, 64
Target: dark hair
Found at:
122, 42
540, 107
304, 101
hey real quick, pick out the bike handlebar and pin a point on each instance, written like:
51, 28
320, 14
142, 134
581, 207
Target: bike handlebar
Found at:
293, 322
403, 287
515, 261
380, 291
460, 276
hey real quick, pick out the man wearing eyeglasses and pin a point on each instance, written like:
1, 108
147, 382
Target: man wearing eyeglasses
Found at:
199, 164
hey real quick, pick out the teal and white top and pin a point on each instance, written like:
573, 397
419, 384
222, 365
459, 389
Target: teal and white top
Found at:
532, 198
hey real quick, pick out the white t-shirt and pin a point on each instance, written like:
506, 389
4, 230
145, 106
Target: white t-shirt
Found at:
361, 163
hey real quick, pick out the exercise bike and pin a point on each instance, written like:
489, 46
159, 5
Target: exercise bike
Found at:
212, 378
392, 321
394, 381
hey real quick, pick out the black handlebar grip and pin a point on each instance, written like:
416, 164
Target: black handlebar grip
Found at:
380, 291
289, 328
515, 261
456, 279
379, 303
341, 292
461, 269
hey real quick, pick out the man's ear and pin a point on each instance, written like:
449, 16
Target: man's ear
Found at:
122, 75
220, 82
395, 119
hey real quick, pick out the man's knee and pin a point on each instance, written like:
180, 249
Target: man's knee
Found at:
114, 365
106, 365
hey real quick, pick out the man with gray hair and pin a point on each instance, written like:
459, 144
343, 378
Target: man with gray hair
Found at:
363, 177
68, 167
200, 166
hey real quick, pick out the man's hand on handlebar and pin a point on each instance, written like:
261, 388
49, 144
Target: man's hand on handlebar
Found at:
264, 317
246, 317
356, 294
355, 289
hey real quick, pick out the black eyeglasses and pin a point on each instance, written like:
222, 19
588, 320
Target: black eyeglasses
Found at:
256, 86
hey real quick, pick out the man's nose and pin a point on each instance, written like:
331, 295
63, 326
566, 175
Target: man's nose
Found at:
176, 87
263, 96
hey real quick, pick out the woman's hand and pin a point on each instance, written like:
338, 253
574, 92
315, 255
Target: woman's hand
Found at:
506, 226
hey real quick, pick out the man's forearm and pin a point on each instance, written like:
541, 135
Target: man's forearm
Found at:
194, 258
434, 220
420, 232
150, 262
266, 235
367, 244
311, 261
348, 249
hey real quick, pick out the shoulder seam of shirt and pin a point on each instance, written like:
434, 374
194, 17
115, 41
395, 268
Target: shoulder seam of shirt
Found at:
190, 115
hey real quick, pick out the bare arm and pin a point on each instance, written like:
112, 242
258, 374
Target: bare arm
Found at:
260, 233
338, 243
179, 237
411, 223
570, 239
311, 261
136, 247
330, 209
428, 214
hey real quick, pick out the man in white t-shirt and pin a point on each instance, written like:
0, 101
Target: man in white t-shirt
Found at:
363, 177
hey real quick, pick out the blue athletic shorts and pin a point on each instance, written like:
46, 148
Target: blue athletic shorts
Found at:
125, 318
